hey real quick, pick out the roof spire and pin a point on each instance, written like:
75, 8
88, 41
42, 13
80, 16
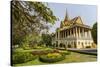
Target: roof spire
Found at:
66, 16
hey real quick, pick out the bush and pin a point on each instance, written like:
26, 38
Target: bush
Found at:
26, 47
21, 57
44, 52
52, 57
17, 49
65, 52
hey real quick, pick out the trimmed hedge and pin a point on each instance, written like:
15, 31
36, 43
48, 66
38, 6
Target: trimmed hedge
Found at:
44, 52
65, 52
21, 57
52, 57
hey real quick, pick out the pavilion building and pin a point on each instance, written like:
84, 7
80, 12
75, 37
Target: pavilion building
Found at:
73, 34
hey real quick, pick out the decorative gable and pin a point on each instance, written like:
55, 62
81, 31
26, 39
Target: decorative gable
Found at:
78, 20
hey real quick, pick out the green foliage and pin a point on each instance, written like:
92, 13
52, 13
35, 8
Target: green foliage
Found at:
30, 41
52, 57
41, 52
25, 46
94, 32
21, 57
29, 17
17, 50
65, 52
47, 39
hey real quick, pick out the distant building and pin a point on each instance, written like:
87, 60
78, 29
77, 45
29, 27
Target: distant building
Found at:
73, 34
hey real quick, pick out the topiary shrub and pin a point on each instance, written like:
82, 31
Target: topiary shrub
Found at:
65, 52
21, 57
52, 57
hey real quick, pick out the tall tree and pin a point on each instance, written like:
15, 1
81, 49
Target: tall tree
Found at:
47, 39
28, 17
94, 32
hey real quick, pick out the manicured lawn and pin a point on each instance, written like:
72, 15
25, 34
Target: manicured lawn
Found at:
22, 50
71, 58
77, 57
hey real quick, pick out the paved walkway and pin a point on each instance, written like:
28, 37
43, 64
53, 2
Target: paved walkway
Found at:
87, 50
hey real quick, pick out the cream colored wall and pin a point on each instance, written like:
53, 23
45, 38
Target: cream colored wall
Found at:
89, 43
66, 41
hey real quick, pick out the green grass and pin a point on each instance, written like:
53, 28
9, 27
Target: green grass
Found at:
77, 57
30, 50
73, 57
34, 62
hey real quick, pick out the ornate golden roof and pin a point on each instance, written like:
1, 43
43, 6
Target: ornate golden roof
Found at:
68, 23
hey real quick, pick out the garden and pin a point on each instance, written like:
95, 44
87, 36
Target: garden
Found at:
47, 56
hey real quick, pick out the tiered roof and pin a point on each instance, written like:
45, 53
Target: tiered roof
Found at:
69, 23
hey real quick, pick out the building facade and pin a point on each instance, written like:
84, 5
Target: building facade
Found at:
73, 34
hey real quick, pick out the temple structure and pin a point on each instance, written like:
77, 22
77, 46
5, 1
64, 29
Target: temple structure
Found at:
73, 33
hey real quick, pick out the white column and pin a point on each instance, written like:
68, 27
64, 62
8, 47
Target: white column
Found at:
65, 34
76, 32
79, 32
58, 35
61, 34
73, 32
89, 33
86, 34
70, 32
82, 32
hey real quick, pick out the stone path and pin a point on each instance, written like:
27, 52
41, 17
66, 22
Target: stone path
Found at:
87, 50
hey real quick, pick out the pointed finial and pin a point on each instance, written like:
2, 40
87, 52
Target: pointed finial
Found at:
66, 16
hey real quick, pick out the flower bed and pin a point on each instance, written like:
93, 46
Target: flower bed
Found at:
21, 57
65, 52
52, 57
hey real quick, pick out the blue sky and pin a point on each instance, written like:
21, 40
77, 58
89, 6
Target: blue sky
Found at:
88, 13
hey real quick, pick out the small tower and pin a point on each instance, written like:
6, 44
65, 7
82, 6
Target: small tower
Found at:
66, 19
66, 16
